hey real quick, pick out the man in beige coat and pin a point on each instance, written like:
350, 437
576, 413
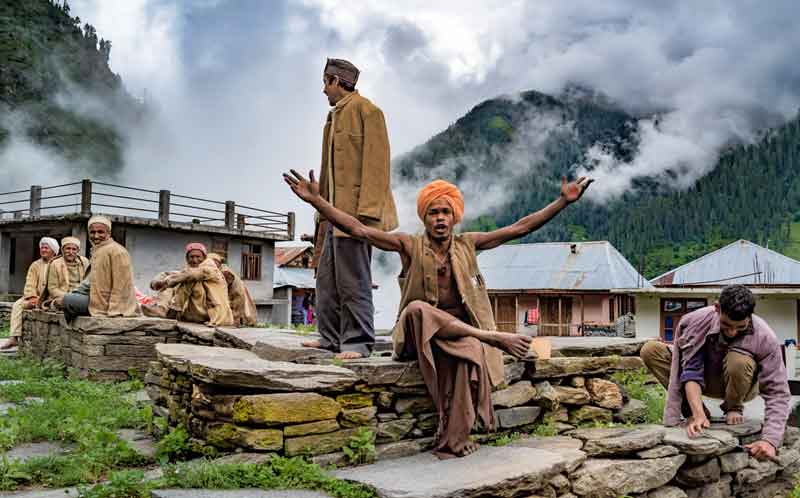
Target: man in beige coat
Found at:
35, 283
200, 292
354, 178
109, 290
64, 274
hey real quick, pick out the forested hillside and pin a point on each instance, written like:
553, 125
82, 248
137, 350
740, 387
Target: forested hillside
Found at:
752, 193
56, 88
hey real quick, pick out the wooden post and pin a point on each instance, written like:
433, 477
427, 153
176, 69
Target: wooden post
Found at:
86, 197
291, 222
240, 222
582, 305
163, 207
516, 313
230, 215
36, 201
559, 315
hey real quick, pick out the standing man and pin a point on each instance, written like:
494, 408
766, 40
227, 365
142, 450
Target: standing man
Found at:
445, 320
108, 291
35, 283
354, 178
725, 352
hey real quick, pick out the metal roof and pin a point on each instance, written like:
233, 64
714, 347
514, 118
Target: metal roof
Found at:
593, 265
741, 262
301, 278
286, 254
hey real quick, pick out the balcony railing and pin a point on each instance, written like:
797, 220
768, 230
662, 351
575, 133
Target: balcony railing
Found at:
87, 197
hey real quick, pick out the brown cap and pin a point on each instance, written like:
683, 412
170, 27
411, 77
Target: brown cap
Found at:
345, 70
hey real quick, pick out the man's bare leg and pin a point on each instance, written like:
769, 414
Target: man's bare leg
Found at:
9, 343
514, 344
313, 343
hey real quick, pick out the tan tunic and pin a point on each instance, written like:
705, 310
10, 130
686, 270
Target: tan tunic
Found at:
242, 305
35, 283
201, 295
112, 292
63, 277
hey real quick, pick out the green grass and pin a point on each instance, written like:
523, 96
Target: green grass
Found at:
81, 415
277, 473
5, 331
638, 386
546, 428
297, 327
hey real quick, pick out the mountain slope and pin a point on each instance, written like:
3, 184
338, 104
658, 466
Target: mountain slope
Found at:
56, 88
524, 145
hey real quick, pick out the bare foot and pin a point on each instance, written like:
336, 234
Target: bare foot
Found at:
313, 343
733, 418
516, 345
469, 448
348, 355
9, 343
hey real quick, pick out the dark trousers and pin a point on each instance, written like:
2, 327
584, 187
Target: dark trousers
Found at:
345, 311
75, 305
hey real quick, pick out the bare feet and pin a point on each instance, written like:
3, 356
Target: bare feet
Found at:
469, 448
9, 343
517, 345
733, 418
348, 355
313, 343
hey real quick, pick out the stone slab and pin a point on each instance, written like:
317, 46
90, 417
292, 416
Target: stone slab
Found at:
677, 437
500, 472
279, 346
140, 441
596, 346
380, 371
567, 367
613, 478
237, 493
243, 338
111, 326
241, 368
567, 447
33, 450
197, 330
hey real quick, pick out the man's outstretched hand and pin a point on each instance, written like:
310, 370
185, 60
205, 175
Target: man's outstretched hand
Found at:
573, 191
761, 450
307, 190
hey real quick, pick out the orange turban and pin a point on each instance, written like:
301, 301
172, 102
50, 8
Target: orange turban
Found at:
440, 189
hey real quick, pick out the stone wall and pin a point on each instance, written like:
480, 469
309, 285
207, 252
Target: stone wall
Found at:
104, 348
258, 401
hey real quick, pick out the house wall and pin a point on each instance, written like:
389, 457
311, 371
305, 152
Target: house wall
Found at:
779, 312
595, 310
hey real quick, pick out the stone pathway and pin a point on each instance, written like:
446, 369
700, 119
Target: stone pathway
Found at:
140, 441
33, 450
491, 471
236, 493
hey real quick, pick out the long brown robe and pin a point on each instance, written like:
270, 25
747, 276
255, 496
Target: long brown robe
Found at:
112, 293
459, 374
63, 277
35, 283
201, 295
242, 304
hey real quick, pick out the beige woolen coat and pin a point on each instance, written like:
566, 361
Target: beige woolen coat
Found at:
112, 293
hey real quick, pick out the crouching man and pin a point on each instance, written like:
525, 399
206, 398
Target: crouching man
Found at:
725, 352
108, 290
446, 321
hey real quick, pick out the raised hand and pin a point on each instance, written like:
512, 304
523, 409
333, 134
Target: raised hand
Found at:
307, 190
573, 191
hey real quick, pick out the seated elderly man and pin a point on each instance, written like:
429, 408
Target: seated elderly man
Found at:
242, 305
35, 283
725, 352
446, 321
199, 291
65, 274
108, 290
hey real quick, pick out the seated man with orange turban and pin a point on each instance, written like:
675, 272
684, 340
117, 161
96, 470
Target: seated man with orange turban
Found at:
198, 293
445, 319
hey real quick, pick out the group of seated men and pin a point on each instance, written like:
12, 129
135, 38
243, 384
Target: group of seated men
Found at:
205, 291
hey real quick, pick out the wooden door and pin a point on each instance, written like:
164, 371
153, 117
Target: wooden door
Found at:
506, 315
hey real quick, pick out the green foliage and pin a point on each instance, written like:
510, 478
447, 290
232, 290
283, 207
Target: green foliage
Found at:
174, 446
299, 328
506, 439
84, 416
545, 428
361, 447
5, 331
277, 473
638, 384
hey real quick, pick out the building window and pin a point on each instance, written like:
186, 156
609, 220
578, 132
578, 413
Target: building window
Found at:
220, 246
672, 309
251, 261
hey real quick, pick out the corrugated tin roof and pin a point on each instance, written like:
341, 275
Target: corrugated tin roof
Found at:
285, 255
741, 262
593, 266
301, 278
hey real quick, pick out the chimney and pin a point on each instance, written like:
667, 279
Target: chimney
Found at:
573, 248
